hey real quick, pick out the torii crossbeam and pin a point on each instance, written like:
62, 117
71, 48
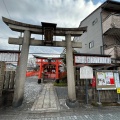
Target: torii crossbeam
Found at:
48, 30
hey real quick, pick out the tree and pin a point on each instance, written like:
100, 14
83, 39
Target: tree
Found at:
64, 55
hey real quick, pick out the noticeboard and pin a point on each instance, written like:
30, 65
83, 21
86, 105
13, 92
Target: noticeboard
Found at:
106, 80
86, 72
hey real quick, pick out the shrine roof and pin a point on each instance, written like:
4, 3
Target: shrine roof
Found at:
43, 57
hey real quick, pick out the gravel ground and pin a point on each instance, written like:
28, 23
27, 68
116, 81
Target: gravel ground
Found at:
31, 91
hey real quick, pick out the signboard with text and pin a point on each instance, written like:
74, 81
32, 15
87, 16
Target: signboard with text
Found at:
8, 57
86, 72
92, 59
105, 80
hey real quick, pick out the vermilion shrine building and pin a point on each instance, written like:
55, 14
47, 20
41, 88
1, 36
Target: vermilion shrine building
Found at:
48, 67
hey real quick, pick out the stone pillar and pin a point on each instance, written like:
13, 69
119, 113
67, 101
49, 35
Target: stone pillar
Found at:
21, 72
70, 69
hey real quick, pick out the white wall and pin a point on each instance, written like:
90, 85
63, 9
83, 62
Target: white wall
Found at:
94, 33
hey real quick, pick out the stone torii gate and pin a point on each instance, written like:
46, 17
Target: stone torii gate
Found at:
48, 30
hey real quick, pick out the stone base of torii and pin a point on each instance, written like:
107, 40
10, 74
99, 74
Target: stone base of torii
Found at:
26, 41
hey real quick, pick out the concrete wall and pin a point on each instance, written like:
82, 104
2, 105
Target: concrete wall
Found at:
118, 51
107, 24
116, 20
94, 33
114, 51
110, 51
110, 40
110, 22
105, 14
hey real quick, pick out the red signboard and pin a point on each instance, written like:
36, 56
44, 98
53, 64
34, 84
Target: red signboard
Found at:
93, 82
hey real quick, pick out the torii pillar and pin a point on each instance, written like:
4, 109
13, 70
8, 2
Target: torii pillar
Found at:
48, 29
70, 69
21, 75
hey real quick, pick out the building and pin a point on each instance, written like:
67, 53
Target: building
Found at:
103, 32
49, 68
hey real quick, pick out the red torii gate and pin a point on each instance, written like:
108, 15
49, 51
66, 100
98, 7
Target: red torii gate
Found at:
49, 67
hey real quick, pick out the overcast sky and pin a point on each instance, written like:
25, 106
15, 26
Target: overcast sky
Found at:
66, 13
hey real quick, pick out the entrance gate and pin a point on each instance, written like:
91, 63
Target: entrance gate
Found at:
47, 30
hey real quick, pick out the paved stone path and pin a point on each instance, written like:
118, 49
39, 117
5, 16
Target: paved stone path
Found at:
47, 100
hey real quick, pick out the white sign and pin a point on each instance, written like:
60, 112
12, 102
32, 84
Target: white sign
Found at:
86, 72
91, 59
117, 80
9, 57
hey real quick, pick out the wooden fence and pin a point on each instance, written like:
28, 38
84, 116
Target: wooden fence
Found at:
2, 73
7, 79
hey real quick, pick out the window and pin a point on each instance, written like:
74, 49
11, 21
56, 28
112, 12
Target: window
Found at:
95, 21
91, 44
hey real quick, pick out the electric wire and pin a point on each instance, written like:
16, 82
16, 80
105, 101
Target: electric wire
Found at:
6, 9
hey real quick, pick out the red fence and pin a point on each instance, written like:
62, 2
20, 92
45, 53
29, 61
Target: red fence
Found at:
35, 73
32, 73
63, 75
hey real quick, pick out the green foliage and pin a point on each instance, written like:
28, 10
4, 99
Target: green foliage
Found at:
60, 84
